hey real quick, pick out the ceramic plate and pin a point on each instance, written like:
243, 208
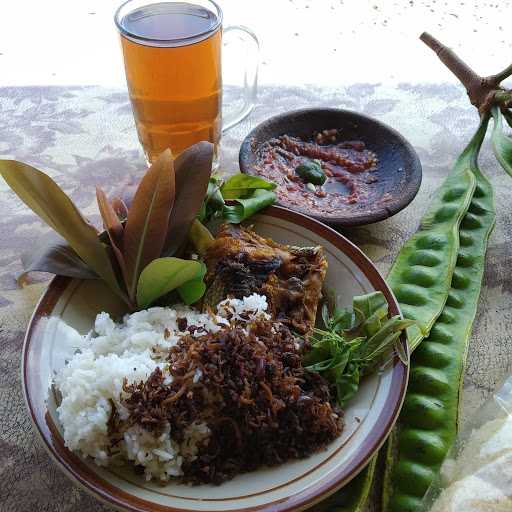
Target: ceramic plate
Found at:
291, 486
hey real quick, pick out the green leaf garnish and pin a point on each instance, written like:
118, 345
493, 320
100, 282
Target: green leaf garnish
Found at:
243, 185
163, 275
355, 343
193, 290
240, 209
236, 199
311, 171
200, 236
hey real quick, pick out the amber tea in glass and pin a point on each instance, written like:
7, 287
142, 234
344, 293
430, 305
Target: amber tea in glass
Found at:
172, 58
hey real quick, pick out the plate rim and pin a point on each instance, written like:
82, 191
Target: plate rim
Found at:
76, 469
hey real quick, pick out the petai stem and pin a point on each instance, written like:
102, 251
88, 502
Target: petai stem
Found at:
451, 60
483, 92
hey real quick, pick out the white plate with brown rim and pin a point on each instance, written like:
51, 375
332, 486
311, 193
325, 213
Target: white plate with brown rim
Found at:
291, 486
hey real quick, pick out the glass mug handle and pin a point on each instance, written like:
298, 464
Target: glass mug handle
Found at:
250, 76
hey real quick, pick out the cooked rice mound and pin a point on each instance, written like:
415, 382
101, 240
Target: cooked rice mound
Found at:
200, 396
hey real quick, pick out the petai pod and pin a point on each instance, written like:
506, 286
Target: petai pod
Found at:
507, 114
501, 143
354, 496
422, 272
428, 421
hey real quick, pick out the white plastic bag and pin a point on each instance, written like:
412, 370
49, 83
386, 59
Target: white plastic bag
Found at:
477, 475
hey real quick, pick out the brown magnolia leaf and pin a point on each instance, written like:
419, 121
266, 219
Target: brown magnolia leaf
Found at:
40, 193
51, 253
111, 221
148, 219
120, 208
114, 229
193, 168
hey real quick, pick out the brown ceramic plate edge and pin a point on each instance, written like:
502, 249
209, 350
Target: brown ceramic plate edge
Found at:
274, 126
74, 467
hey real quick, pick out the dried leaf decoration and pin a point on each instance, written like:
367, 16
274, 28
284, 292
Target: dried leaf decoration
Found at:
192, 168
161, 219
111, 221
51, 253
40, 193
148, 219
114, 229
120, 208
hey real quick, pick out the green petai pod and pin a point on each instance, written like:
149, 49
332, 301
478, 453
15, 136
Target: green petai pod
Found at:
501, 143
422, 272
354, 496
428, 422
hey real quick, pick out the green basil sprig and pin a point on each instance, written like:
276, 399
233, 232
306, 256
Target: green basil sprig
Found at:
354, 343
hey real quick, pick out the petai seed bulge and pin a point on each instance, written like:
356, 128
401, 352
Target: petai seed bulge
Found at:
435, 241
429, 381
477, 207
445, 213
423, 411
410, 294
447, 317
459, 280
441, 334
454, 193
424, 257
455, 300
471, 221
465, 239
434, 354
465, 260
420, 276
479, 191
413, 477
425, 446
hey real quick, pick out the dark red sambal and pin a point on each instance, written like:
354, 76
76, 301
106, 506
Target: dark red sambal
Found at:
350, 169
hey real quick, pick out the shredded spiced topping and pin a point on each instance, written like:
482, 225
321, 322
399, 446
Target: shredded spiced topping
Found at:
247, 384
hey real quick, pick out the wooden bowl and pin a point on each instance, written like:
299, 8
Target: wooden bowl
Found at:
398, 171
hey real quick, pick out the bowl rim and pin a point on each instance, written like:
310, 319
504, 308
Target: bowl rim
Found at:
358, 219
75, 468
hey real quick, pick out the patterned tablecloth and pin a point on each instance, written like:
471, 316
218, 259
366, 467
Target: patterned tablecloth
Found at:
85, 136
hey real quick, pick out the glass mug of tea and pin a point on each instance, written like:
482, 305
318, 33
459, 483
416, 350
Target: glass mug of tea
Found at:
172, 58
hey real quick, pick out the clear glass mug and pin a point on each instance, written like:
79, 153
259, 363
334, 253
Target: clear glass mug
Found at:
172, 59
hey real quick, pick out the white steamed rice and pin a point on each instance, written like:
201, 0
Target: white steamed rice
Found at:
111, 352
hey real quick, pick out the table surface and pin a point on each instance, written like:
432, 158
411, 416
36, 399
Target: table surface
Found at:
58, 42
84, 136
